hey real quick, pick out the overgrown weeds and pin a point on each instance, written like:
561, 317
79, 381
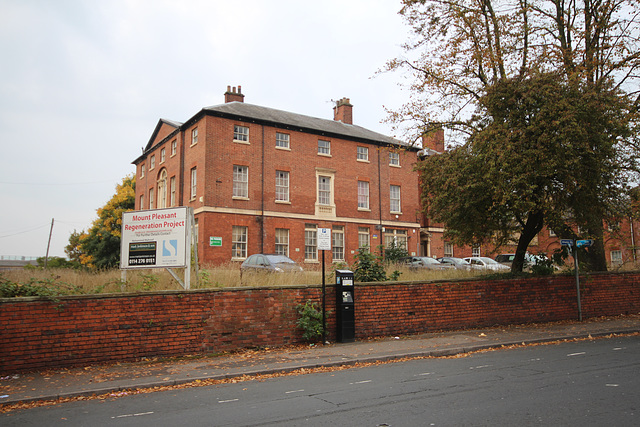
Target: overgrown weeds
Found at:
55, 282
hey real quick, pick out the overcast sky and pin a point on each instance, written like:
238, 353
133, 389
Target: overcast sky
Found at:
83, 84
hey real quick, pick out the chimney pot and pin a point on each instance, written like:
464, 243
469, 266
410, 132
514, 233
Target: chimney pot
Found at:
232, 96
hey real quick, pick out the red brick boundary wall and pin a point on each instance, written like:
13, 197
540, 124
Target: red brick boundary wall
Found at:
38, 333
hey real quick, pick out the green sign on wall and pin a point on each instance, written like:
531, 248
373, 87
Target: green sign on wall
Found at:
215, 241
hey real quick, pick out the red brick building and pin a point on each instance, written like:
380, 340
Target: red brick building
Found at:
261, 180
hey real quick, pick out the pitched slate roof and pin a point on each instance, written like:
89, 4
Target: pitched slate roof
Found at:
294, 121
284, 120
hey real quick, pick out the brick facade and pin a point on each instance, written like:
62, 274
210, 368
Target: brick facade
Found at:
216, 152
37, 333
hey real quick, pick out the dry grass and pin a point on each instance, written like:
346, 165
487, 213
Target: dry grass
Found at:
82, 282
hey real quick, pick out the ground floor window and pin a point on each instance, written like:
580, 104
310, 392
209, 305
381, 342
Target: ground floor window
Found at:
282, 241
616, 257
337, 243
310, 245
395, 238
475, 251
239, 242
448, 249
363, 238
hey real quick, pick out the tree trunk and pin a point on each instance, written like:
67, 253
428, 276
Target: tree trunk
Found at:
532, 226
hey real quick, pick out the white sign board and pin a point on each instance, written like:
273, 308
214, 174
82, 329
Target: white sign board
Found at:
156, 239
324, 239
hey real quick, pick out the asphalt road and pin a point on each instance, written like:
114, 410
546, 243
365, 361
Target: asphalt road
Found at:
585, 383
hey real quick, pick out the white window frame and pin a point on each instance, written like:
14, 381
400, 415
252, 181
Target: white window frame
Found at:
152, 162
141, 201
162, 189
337, 243
395, 199
172, 191
142, 170
400, 237
364, 239
151, 199
362, 154
325, 194
282, 186
310, 242
283, 141
194, 183
475, 251
282, 241
324, 190
616, 257
174, 147
363, 195
194, 136
324, 148
239, 242
163, 153
394, 159
448, 249
240, 182
241, 134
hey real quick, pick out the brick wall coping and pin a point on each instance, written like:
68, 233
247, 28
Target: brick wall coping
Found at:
491, 278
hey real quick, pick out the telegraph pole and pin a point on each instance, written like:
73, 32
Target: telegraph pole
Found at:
46, 258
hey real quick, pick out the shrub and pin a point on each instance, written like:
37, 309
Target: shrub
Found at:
394, 252
368, 267
310, 320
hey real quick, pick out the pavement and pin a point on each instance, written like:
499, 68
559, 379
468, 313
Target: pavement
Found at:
124, 378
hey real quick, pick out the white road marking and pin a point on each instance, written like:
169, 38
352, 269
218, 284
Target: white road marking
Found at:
132, 415
227, 401
480, 367
577, 354
293, 391
361, 382
612, 385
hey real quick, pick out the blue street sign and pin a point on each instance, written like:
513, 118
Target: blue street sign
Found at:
584, 243
566, 242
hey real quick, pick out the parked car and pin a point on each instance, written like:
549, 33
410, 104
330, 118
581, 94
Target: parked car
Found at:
269, 263
529, 260
485, 263
424, 262
457, 263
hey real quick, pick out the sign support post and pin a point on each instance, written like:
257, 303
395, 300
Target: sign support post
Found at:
573, 249
324, 244
575, 263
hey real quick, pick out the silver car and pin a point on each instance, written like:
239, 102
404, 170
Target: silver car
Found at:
269, 263
424, 262
485, 263
457, 263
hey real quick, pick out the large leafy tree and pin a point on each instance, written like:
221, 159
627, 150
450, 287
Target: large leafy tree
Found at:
99, 247
541, 98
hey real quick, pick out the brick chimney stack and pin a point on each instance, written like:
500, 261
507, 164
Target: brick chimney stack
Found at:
232, 96
343, 111
434, 140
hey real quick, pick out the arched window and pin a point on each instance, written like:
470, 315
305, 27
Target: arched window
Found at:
162, 189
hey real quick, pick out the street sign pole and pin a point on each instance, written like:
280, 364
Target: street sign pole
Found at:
573, 250
324, 305
575, 261
324, 243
